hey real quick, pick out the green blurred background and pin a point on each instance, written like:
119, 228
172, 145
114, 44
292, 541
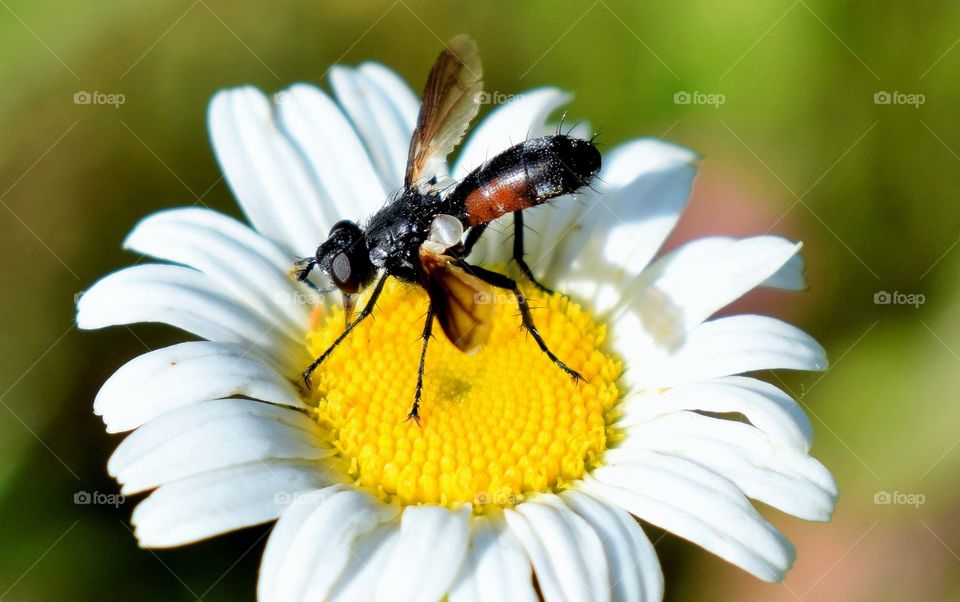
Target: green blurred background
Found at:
798, 147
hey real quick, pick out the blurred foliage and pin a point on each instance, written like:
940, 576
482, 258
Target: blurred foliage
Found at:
798, 148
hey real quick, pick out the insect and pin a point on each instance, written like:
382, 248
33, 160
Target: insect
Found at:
418, 237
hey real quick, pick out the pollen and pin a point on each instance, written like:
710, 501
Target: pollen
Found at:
496, 426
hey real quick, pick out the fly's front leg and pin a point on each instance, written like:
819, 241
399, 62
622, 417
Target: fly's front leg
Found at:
301, 271
505, 282
366, 311
427, 329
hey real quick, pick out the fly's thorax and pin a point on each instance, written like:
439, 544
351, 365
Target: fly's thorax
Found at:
394, 234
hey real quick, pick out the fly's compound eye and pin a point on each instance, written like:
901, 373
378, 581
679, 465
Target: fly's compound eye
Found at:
342, 274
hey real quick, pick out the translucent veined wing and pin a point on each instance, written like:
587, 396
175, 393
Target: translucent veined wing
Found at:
451, 100
462, 302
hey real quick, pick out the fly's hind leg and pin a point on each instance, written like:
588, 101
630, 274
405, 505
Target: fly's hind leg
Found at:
518, 253
366, 311
505, 282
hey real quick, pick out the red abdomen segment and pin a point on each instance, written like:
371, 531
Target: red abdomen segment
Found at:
525, 175
504, 193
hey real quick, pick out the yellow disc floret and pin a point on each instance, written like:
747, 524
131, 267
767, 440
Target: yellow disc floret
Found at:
495, 426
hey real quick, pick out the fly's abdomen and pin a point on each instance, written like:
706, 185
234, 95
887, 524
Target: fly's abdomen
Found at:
525, 175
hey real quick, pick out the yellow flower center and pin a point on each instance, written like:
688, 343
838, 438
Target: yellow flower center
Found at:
495, 426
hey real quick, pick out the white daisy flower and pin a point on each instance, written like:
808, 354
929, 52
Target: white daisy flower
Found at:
519, 483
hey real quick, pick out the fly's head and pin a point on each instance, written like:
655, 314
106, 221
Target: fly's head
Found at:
345, 258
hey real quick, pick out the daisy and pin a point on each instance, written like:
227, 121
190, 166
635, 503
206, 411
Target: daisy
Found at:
519, 483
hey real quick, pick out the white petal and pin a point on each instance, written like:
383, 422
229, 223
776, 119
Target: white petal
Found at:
698, 505
361, 578
764, 405
721, 347
495, 568
270, 179
306, 561
169, 378
790, 277
207, 436
566, 553
644, 186
704, 276
230, 254
428, 555
786, 479
346, 177
186, 299
284, 533
403, 100
635, 572
223, 500
384, 128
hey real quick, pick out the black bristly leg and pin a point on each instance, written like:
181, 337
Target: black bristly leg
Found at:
472, 237
366, 311
427, 329
505, 282
518, 253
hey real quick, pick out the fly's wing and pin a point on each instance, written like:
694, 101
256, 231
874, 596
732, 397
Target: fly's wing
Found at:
451, 100
462, 302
